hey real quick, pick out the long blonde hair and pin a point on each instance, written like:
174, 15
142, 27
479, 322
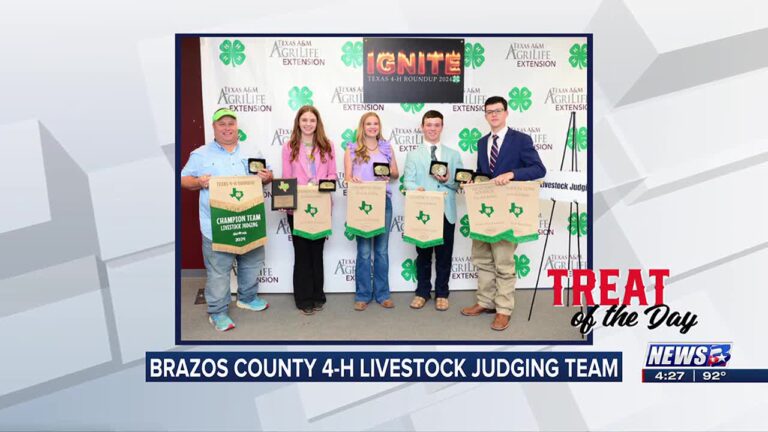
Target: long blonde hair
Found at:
319, 140
361, 153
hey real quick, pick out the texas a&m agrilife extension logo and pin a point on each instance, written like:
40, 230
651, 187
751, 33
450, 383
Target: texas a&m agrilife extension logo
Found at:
567, 98
345, 269
351, 99
244, 99
540, 138
398, 225
267, 276
462, 268
710, 354
341, 184
296, 52
474, 98
406, 139
284, 228
280, 136
530, 55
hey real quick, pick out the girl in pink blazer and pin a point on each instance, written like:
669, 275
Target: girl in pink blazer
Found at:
308, 156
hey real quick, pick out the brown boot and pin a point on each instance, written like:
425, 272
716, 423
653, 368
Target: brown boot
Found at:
501, 322
476, 310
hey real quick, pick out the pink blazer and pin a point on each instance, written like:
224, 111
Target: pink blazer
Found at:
299, 168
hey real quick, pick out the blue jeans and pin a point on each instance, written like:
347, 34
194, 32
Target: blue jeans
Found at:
368, 288
218, 265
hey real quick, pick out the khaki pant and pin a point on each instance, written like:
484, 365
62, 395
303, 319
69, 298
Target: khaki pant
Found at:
496, 275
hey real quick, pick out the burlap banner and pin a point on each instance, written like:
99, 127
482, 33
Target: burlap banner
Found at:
312, 217
508, 212
424, 218
238, 219
366, 208
523, 210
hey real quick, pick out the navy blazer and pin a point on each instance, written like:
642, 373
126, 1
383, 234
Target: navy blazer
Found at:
517, 155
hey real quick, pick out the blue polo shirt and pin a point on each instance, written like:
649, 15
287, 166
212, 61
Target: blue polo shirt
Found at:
212, 159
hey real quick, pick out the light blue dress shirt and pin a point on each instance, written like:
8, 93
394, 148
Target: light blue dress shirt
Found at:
416, 174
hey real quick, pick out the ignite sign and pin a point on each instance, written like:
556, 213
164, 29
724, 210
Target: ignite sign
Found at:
400, 70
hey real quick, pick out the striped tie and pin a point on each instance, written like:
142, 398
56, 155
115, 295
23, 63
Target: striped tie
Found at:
494, 152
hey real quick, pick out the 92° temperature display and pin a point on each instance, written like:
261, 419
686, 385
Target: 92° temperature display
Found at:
705, 375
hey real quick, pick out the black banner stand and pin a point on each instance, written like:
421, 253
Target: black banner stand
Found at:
574, 168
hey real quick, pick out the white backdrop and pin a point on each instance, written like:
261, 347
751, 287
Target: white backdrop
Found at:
267, 79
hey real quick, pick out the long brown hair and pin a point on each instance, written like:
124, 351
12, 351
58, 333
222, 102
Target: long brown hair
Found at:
361, 153
319, 140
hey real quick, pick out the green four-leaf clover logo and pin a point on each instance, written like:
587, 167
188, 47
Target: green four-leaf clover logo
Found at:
577, 225
486, 210
232, 52
349, 136
241, 136
365, 207
423, 217
468, 139
578, 58
348, 234
516, 210
455, 79
353, 54
402, 185
237, 194
464, 229
412, 107
298, 97
311, 210
522, 265
409, 270
581, 138
473, 55
520, 99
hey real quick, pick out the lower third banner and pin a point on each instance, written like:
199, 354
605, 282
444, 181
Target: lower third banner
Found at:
383, 366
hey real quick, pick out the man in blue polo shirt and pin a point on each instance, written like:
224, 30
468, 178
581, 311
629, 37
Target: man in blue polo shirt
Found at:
224, 157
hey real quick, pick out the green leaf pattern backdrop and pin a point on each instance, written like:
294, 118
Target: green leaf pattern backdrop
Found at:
266, 79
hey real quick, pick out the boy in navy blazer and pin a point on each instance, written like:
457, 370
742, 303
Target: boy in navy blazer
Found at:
504, 155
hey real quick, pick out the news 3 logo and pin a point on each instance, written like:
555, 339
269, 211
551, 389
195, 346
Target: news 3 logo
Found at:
688, 354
